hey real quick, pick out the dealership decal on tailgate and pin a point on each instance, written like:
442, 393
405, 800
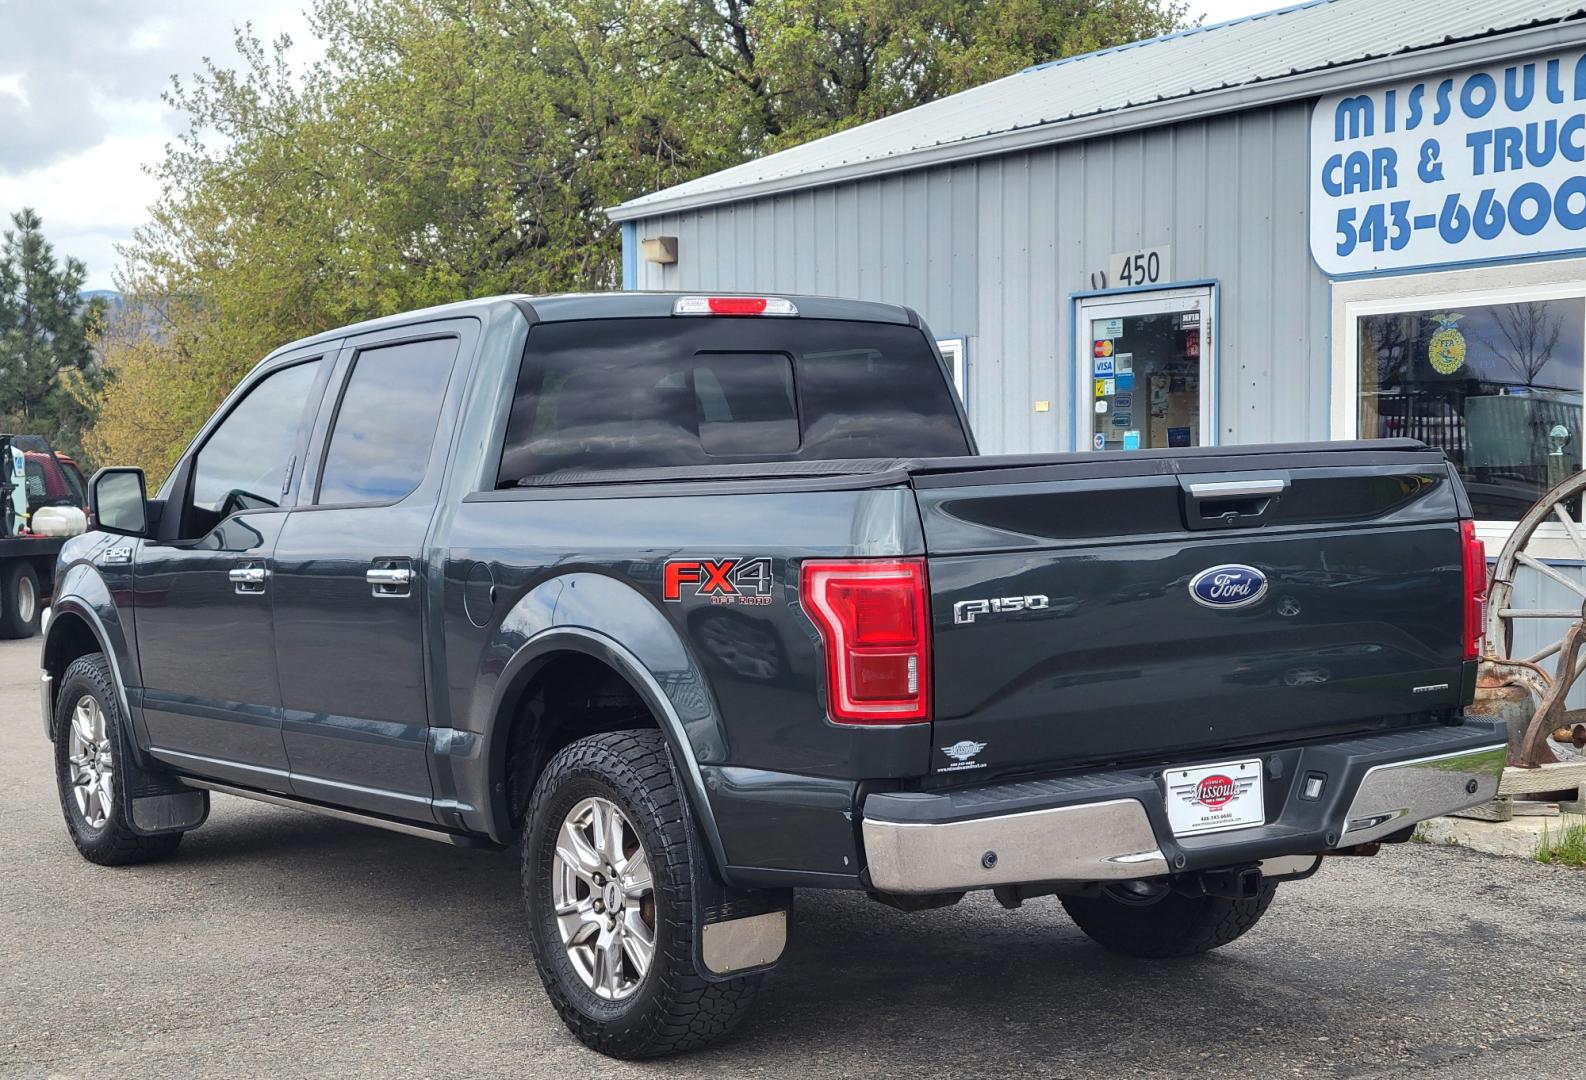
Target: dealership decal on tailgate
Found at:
1211, 798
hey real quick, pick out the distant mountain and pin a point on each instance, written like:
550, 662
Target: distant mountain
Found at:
111, 297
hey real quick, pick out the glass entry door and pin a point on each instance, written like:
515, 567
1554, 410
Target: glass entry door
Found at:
1146, 379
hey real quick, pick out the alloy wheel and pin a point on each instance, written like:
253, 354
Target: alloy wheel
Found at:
89, 760
604, 898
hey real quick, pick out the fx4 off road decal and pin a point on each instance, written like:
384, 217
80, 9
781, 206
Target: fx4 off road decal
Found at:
723, 581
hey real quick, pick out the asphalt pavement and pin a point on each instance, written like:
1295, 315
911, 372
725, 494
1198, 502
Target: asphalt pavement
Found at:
280, 944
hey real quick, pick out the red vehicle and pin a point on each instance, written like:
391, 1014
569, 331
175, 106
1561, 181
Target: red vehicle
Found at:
28, 546
53, 478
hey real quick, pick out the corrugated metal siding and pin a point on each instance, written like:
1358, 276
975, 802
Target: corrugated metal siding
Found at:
907, 239
993, 250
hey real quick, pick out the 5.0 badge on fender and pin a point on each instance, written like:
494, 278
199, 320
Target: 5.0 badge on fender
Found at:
1231, 586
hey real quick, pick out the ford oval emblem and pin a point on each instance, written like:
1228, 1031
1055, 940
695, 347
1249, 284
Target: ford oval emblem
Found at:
1231, 586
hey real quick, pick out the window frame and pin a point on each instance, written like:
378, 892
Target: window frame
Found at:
1480, 287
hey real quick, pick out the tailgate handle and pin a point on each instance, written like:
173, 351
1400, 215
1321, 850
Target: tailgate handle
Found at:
1226, 489
1231, 502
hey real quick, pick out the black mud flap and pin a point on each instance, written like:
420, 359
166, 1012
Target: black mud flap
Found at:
737, 932
153, 800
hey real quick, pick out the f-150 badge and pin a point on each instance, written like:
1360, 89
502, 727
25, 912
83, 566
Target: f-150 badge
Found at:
1230, 586
967, 611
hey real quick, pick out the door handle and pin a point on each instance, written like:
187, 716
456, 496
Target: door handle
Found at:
390, 580
248, 579
389, 575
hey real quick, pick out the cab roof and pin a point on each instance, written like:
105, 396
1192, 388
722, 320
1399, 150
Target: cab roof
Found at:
630, 304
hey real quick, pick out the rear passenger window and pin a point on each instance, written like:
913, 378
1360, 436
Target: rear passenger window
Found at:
385, 424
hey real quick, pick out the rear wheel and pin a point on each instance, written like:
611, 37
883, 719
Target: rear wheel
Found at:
608, 886
1162, 924
20, 604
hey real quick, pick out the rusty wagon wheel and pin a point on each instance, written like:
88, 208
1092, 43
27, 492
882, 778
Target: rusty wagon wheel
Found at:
1564, 628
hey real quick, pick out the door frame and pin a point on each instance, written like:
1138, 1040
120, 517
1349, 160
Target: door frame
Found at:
1141, 300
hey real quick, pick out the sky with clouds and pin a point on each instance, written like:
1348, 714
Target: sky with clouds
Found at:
80, 108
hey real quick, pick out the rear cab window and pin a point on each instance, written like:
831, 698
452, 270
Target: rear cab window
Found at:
604, 395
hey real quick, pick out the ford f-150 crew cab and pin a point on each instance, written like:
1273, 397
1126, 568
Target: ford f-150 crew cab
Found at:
703, 600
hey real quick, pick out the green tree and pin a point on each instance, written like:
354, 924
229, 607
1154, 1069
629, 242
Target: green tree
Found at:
45, 337
799, 69
449, 148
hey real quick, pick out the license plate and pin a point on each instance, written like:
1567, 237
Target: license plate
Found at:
1213, 798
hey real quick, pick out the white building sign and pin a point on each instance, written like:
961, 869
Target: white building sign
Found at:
1483, 164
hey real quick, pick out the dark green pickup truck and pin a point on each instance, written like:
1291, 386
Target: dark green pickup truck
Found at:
704, 600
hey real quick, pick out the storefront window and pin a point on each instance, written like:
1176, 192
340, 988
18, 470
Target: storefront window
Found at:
1496, 387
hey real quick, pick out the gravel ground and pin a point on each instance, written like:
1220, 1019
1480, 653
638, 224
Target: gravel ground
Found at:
280, 944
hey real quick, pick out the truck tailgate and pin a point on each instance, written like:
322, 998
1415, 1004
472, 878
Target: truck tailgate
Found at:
1075, 621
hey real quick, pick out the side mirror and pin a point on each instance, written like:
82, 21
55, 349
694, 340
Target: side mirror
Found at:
119, 501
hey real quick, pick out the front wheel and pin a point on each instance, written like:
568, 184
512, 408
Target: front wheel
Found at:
607, 880
1165, 925
87, 773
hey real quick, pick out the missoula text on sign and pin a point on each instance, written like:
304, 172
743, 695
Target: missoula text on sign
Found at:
1485, 164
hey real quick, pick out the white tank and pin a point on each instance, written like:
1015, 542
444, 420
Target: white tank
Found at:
58, 521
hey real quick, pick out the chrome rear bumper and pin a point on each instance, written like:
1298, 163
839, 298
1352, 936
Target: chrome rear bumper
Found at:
1105, 841
1113, 839
1392, 797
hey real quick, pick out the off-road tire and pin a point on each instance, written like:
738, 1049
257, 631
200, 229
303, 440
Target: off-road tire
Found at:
113, 843
1174, 926
19, 575
673, 1009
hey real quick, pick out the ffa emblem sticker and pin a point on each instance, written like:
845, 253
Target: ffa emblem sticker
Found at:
1447, 348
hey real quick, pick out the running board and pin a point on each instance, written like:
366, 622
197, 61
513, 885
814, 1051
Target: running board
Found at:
444, 836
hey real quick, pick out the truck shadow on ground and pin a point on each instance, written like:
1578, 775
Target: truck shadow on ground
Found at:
973, 988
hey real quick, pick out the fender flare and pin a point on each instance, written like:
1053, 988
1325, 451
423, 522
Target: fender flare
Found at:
114, 646
602, 647
605, 618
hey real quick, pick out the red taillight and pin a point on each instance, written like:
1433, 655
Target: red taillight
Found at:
1475, 588
872, 617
